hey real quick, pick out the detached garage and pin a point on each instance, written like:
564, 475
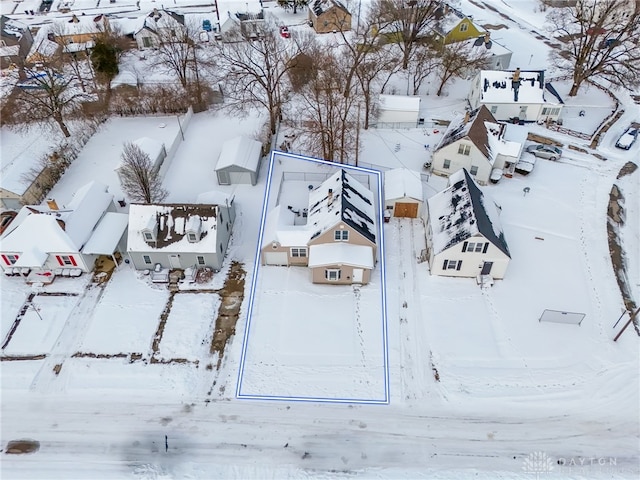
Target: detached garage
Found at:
403, 192
398, 111
239, 162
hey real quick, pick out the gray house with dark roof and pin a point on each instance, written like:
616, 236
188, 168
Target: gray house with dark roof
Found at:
338, 241
15, 42
464, 235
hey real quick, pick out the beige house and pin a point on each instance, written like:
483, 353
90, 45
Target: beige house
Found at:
326, 16
338, 240
464, 236
478, 143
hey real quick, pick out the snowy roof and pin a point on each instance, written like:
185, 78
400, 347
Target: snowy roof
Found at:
447, 18
151, 147
402, 182
158, 19
513, 139
31, 257
59, 231
172, 220
9, 51
42, 45
474, 128
497, 86
84, 24
107, 234
342, 198
87, 207
460, 212
399, 103
320, 6
279, 227
486, 43
11, 28
236, 6
340, 254
240, 152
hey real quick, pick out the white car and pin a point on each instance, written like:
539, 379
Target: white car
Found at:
628, 138
545, 151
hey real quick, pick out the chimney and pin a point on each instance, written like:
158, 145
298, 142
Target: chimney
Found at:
516, 75
330, 196
466, 117
52, 204
487, 37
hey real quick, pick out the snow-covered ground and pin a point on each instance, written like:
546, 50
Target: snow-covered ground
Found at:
479, 388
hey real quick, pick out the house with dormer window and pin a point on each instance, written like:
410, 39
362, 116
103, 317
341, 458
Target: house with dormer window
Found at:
179, 236
464, 235
337, 242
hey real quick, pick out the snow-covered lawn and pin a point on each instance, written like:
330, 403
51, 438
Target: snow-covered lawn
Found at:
189, 328
126, 317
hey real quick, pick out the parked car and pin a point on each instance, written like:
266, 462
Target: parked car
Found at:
284, 32
496, 175
545, 151
206, 25
525, 167
628, 138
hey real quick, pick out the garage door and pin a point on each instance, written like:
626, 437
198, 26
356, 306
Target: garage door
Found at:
406, 210
276, 258
240, 177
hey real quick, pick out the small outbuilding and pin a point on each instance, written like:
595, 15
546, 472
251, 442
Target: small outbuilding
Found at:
403, 192
398, 111
239, 162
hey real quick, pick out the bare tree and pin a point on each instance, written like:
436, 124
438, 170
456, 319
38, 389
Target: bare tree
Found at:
405, 22
293, 4
328, 122
254, 67
176, 51
456, 60
138, 177
602, 41
49, 95
422, 63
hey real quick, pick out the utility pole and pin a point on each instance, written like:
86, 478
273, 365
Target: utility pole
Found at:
358, 135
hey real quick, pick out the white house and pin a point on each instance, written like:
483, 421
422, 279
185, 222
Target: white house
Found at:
239, 161
464, 236
478, 143
398, 111
157, 25
47, 239
403, 193
179, 235
516, 96
338, 240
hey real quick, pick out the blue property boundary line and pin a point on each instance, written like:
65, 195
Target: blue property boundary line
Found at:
254, 280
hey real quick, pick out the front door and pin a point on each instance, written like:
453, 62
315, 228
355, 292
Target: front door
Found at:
174, 260
486, 268
357, 275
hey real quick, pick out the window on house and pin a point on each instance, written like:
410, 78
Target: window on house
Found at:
227, 226
146, 259
494, 109
221, 218
146, 42
475, 247
464, 27
447, 164
192, 237
452, 264
10, 259
298, 252
341, 235
333, 275
66, 261
464, 149
473, 170
200, 259
148, 236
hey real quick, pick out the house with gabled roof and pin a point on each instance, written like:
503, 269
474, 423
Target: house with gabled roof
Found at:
498, 56
464, 235
156, 25
15, 42
326, 16
338, 240
516, 95
180, 236
403, 192
477, 142
47, 238
452, 25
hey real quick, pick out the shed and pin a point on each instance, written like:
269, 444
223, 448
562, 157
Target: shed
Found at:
398, 111
403, 192
239, 161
